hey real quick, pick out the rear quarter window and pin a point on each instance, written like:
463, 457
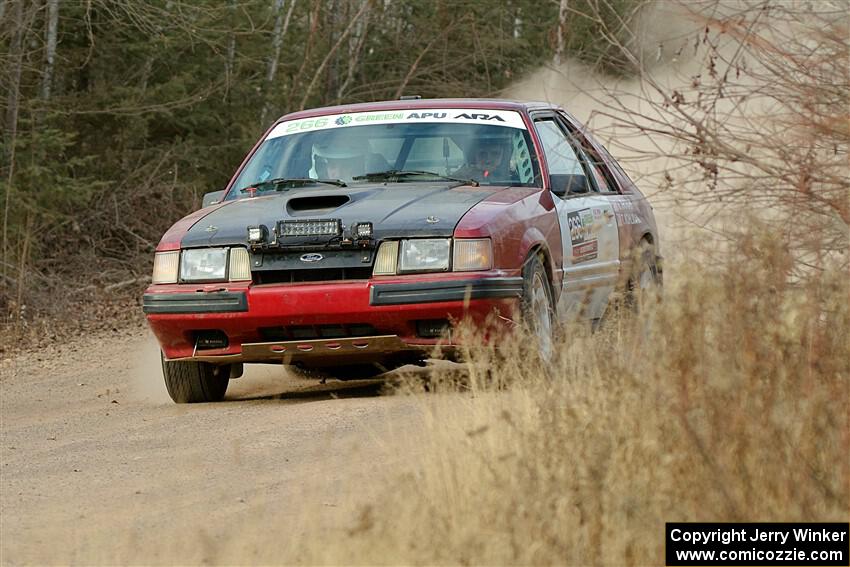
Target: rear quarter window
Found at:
626, 182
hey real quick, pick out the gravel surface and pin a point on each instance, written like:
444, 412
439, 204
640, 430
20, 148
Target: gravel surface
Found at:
99, 466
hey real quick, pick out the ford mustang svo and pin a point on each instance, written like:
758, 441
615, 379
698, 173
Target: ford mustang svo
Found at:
353, 239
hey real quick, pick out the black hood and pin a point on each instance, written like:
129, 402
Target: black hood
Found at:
396, 210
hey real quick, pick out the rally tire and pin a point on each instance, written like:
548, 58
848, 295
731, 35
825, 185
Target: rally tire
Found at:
537, 307
646, 280
191, 382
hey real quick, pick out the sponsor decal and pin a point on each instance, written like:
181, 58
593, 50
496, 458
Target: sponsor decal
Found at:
626, 211
581, 225
627, 218
423, 115
623, 206
486, 117
583, 235
507, 118
378, 117
586, 251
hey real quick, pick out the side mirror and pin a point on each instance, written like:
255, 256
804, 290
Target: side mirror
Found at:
212, 198
569, 184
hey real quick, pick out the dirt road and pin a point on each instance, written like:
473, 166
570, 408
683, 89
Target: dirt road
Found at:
99, 466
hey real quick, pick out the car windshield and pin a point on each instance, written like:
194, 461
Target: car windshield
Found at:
410, 146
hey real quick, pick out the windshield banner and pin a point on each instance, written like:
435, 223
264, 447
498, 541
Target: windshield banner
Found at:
447, 115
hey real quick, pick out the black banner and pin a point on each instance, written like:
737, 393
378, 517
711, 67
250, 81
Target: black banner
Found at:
814, 544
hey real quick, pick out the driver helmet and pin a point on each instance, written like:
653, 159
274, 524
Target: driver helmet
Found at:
336, 158
491, 153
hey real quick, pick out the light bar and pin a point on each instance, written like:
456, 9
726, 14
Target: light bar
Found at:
309, 228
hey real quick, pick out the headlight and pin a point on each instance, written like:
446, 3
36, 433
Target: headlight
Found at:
165, 267
472, 254
432, 255
203, 264
424, 255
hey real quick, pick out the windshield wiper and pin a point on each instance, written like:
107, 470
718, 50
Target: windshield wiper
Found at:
398, 174
283, 183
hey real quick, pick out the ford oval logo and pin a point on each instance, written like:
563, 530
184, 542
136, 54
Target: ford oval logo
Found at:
312, 258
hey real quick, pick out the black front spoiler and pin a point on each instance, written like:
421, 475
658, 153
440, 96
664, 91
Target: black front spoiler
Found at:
195, 302
456, 290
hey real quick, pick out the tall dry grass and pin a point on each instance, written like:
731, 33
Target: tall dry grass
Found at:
725, 402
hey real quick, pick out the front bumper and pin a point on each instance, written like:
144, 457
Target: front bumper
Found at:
390, 308
195, 302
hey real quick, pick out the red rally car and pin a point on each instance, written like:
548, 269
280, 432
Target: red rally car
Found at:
356, 236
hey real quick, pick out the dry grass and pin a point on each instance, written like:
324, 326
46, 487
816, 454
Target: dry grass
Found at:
726, 402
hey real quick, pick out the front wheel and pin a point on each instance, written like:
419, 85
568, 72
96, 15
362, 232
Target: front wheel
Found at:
191, 382
537, 307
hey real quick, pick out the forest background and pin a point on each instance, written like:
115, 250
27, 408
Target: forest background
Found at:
119, 115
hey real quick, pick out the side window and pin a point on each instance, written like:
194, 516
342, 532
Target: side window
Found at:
566, 173
560, 155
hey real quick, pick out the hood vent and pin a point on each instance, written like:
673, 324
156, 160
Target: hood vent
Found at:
318, 204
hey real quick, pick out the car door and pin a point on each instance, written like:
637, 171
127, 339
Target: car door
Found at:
589, 234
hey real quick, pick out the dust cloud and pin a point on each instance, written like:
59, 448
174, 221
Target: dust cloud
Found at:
146, 384
622, 111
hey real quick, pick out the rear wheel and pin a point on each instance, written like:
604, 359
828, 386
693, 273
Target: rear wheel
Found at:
537, 307
645, 282
192, 382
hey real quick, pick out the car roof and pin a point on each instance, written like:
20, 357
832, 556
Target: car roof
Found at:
472, 103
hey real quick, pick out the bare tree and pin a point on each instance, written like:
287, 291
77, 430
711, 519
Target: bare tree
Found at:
281, 25
230, 57
51, 33
355, 48
562, 30
20, 24
312, 31
415, 65
755, 124
321, 68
